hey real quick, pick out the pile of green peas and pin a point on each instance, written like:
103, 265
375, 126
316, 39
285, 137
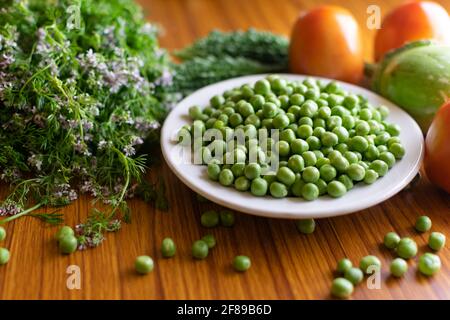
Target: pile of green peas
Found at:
328, 139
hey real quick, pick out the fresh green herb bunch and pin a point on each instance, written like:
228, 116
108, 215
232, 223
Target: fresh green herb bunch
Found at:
261, 46
199, 72
82, 87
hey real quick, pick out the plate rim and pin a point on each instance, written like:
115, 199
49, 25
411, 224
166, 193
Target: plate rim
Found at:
165, 136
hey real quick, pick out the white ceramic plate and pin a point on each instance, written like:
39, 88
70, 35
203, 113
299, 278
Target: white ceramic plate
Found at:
359, 198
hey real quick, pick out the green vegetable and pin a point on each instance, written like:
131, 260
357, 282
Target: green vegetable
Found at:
391, 240
407, 248
241, 263
436, 241
4, 256
429, 264
68, 244
227, 218
144, 264
309, 166
200, 249
344, 265
423, 224
306, 226
77, 104
210, 240
354, 275
168, 248
2, 234
367, 262
415, 77
64, 231
199, 72
341, 288
398, 267
210, 219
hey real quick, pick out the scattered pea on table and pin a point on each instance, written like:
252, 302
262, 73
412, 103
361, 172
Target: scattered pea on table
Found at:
391, 240
4, 256
341, 288
168, 248
423, 224
436, 241
2, 233
406, 248
241, 263
143, 264
398, 267
369, 261
200, 249
306, 226
429, 264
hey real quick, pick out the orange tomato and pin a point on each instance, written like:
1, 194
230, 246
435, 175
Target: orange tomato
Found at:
326, 42
412, 21
437, 149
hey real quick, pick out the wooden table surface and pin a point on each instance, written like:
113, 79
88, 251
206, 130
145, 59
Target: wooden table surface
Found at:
285, 264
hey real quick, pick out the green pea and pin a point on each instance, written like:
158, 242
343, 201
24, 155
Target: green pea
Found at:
304, 131
287, 135
286, 175
216, 101
398, 267
298, 146
200, 249
336, 189
68, 244
393, 129
322, 185
2, 233
351, 101
391, 240
407, 248
380, 167
329, 139
347, 181
227, 218
242, 184
281, 121
259, 187
4, 256
226, 177
351, 157
387, 157
344, 265
327, 172
257, 101
397, 150
334, 122
429, 264
314, 143
235, 119
371, 153
423, 224
310, 191
270, 110
144, 264
62, 232
340, 163
252, 171
310, 174
306, 226
356, 172
354, 275
283, 148
297, 187
297, 99
262, 87
359, 143
310, 158
238, 169
369, 261
296, 163
168, 248
341, 288
241, 263
318, 132
319, 123
210, 219
213, 171
308, 108
436, 241
210, 241
371, 176
278, 190
305, 120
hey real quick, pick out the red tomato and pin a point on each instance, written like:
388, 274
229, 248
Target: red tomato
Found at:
437, 149
412, 21
326, 42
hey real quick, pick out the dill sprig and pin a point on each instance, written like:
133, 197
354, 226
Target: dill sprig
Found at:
262, 46
83, 84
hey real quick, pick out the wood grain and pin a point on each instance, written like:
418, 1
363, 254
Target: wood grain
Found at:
286, 265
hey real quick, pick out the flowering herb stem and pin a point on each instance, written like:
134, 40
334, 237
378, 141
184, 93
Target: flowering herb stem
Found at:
23, 213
